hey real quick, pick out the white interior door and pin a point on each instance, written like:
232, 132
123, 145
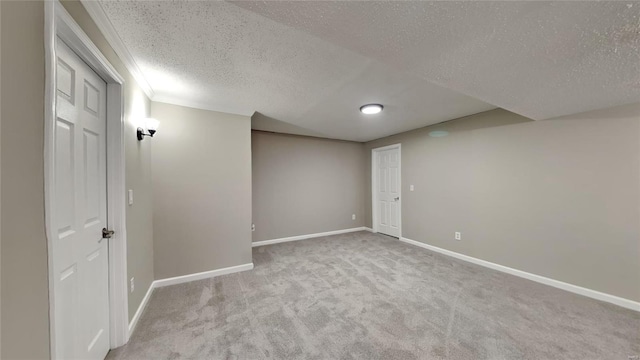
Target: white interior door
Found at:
388, 192
80, 254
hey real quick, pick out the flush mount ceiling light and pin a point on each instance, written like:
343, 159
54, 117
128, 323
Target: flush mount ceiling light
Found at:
438, 133
371, 109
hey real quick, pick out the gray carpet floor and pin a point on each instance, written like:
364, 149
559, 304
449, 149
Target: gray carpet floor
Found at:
368, 296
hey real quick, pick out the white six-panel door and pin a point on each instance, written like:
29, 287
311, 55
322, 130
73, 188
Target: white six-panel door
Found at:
388, 192
80, 255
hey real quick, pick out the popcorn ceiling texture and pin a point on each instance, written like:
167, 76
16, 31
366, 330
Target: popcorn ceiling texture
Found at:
219, 56
312, 64
537, 59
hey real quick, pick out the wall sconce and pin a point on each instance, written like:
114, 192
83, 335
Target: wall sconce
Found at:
152, 126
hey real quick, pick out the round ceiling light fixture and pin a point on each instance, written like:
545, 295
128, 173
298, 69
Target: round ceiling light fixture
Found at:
371, 109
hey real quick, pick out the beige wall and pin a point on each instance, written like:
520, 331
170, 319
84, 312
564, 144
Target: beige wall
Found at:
305, 185
25, 322
24, 313
201, 190
557, 198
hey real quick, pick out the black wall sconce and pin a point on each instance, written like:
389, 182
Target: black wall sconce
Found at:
151, 125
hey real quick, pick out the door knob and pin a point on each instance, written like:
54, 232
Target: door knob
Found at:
396, 199
107, 234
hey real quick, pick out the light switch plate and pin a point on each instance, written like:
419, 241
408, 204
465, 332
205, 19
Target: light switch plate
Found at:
410, 187
130, 196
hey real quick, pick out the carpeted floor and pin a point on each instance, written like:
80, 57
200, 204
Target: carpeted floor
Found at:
367, 296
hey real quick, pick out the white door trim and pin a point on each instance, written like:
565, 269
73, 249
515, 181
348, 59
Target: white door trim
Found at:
58, 23
374, 183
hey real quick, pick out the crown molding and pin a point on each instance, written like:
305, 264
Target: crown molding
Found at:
173, 100
97, 13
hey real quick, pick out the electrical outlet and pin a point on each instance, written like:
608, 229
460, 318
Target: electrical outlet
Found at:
133, 284
353, 217
253, 227
411, 188
458, 236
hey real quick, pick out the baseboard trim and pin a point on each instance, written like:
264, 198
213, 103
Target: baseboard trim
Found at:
179, 280
143, 305
202, 275
368, 229
304, 237
625, 303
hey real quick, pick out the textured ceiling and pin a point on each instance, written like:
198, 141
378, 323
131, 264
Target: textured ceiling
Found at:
218, 56
537, 59
306, 67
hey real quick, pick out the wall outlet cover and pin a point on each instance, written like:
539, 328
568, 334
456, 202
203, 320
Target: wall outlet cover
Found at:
458, 236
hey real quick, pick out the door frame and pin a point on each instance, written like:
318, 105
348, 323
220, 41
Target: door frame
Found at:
374, 185
58, 23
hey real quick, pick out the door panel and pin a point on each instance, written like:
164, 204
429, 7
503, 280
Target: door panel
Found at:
91, 144
65, 180
79, 253
388, 195
393, 214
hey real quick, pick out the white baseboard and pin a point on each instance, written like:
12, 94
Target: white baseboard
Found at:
179, 280
308, 236
368, 229
143, 305
626, 303
202, 275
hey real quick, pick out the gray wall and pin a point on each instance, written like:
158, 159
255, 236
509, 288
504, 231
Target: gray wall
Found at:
558, 198
24, 312
201, 189
305, 185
